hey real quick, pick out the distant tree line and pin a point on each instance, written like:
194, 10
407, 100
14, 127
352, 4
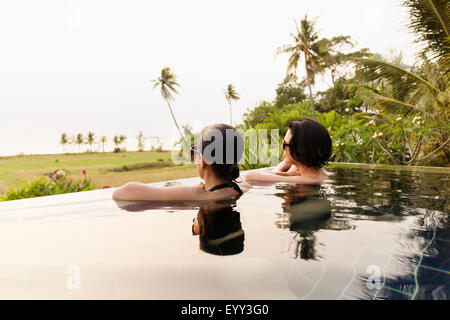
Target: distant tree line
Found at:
118, 141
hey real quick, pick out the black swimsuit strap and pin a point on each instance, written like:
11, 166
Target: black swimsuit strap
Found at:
229, 184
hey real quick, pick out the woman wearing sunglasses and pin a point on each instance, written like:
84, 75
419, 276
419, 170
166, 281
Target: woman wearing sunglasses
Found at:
218, 172
306, 149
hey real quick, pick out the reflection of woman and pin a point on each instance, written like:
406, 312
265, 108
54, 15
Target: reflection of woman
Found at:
306, 149
305, 206
219, 228
307, 212
218, 174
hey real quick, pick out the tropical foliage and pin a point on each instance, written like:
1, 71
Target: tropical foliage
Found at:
56, 183
384, 111
319, 55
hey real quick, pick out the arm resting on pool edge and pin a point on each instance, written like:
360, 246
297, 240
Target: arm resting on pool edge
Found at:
281, 167
284, 169
262, 175
138, 191
141, 192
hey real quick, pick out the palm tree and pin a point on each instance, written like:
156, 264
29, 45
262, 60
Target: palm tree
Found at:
399, 90
122, 139
430, 22
79, 140
116, 141
230, 94
140, 138
318, 54
103, 140
90, 140
168, 81
334, 58
307, 45
64, 140
424, 89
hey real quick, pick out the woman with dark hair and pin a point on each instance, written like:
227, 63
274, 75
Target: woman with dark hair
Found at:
216, 157
306, 149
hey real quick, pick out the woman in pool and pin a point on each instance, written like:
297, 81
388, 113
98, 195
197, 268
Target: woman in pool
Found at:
306, 149
218, 174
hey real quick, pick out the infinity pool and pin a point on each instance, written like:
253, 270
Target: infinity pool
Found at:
367, 233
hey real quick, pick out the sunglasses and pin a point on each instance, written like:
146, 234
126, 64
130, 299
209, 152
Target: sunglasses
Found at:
285, 144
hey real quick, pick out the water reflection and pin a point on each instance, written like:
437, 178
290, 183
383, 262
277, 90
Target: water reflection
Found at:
305, 211
169, 206
385, 195
219, 229
397, 221
418, 267
426, 274
217, 223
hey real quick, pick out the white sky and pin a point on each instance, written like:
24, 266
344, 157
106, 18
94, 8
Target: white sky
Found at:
74, 66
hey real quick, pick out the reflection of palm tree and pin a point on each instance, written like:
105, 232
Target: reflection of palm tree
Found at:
168, 81
231, 94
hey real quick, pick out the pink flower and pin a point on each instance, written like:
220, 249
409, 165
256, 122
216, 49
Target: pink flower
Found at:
83, 171
106, 186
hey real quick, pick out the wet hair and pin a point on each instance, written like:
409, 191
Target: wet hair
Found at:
220, 230
231, 148
310, 143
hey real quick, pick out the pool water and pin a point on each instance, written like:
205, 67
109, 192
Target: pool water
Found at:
366, 233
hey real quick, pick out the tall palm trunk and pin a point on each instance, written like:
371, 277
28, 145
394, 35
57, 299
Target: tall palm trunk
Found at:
231, 123
174, 120
308, 79
311, 97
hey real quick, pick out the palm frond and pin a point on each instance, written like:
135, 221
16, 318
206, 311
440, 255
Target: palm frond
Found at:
430, 21
390, 105
375, 69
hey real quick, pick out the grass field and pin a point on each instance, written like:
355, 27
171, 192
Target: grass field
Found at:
98, 166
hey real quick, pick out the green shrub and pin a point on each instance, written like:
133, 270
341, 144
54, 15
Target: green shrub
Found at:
56, 183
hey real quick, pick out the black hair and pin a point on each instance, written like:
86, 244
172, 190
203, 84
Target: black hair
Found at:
220, 230
310, 143
232, 145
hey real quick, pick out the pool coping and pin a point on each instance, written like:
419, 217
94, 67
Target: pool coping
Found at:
389, 167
